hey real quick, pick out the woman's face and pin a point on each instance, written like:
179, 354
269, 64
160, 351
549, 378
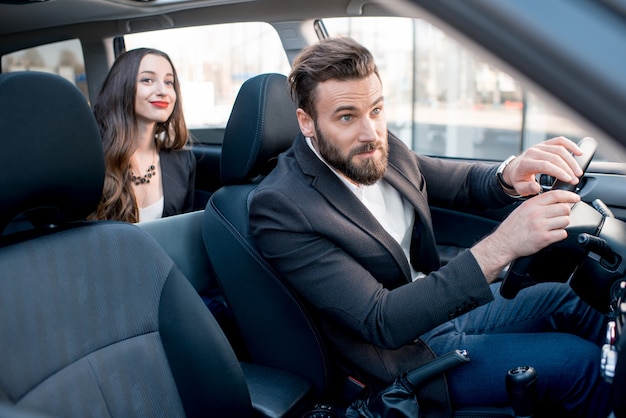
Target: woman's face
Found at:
155, 96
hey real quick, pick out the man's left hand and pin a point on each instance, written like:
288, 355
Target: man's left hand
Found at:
552, 157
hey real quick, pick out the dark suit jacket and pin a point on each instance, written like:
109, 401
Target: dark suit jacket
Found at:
336, 255
179, 174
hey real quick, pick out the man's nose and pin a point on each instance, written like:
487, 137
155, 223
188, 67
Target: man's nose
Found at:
368, 130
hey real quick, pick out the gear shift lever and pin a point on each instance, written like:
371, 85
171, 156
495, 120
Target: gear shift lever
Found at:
521, 383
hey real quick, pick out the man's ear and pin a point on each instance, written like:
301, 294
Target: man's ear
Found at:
307, 126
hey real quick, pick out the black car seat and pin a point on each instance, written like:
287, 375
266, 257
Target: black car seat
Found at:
95, 318
261, 125
276, 326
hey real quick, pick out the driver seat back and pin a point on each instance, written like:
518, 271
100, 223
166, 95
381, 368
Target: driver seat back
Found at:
276, 328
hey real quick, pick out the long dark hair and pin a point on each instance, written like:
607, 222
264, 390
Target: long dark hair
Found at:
114, 108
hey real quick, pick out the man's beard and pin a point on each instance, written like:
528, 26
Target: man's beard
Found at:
367, 172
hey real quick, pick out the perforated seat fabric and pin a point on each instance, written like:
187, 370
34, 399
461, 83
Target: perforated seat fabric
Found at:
95, 318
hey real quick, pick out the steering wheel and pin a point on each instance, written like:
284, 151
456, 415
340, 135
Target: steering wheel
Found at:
518, 275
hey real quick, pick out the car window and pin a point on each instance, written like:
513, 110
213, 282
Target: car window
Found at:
442, 99
64, 58
213, 61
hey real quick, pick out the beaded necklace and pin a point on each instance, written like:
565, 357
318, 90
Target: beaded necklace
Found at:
145, 179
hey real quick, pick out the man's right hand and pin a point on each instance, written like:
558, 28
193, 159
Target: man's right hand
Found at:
535, 224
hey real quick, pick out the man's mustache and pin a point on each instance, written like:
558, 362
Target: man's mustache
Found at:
370, 146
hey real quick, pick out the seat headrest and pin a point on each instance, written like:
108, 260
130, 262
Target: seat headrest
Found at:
262, 124
52, 156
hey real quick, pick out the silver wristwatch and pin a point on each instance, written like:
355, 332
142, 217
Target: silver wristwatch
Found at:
508, 189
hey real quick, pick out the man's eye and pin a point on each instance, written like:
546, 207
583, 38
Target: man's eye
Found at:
346, 118
377, 110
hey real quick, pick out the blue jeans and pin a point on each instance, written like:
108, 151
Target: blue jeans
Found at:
545, 326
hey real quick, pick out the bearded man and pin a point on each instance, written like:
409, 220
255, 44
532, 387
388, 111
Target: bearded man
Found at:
345, 219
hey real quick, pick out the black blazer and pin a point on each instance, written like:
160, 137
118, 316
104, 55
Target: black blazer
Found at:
336, 255
179, 174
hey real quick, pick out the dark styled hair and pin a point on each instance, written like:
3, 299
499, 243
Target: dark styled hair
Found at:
340, 58
114, 108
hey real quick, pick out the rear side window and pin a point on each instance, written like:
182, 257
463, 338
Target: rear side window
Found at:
64, 58
213, 61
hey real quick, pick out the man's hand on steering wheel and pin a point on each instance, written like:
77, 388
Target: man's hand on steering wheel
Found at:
536, 223
532, 226
541, 220
552, 157
574, 166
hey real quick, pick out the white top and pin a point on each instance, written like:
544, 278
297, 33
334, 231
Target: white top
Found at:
389, 208
151, 212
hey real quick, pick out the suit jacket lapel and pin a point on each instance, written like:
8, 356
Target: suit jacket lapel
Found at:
424, 256
404, 177
334, 191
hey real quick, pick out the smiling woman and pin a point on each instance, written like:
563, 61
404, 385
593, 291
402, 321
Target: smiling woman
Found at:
139, 110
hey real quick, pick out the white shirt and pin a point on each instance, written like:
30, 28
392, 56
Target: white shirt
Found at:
389, 208
151, 212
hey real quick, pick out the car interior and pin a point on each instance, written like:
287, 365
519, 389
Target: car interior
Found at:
129, 327
182, 316
282, 333
147, 314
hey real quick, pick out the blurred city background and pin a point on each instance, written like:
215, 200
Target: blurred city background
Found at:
441, 98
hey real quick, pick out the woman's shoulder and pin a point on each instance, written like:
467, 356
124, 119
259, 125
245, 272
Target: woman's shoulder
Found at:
184, 156
181, 153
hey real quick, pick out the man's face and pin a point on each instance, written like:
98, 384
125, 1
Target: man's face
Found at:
350, 131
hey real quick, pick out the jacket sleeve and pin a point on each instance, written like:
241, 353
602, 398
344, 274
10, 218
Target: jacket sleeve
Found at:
329, 262
465, 185
191, 187
179, 173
